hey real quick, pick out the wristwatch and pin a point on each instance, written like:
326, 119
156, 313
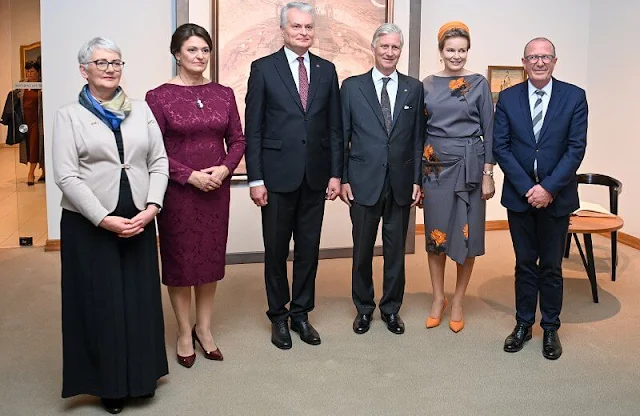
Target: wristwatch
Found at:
488, 173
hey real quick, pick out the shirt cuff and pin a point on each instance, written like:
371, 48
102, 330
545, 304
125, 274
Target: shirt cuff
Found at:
253, 184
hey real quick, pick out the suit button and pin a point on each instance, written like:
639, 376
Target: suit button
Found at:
537, 150
384, 165
304, 142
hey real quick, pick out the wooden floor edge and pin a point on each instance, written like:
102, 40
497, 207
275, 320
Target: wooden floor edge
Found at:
52, 245
628, 240
496, 225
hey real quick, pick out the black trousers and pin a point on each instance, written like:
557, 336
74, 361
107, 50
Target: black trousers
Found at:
365, 220
298, 214
538, 240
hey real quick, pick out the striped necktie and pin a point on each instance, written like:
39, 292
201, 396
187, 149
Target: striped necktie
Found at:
537, 115
537, 125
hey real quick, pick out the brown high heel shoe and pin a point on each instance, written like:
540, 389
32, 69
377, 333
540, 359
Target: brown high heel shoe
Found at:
434, 322
188, 360
210, 355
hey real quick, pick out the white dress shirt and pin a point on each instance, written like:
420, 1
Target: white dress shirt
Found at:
392, 86
292, 59
294, 64
533, 97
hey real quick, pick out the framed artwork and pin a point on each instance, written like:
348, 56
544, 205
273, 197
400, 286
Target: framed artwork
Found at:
503, 77
244, 31
29, 53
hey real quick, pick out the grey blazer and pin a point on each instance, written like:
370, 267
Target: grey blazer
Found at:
86, 165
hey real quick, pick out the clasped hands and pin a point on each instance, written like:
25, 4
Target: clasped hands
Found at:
126, 227
538, 197
208, 179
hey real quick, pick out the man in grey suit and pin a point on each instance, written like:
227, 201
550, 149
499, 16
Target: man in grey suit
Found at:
383, 125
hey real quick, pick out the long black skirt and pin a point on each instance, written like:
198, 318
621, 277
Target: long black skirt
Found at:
112, 324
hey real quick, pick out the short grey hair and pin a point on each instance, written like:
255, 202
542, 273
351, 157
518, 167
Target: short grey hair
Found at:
387, 29
303, 7
524, 53
86, 51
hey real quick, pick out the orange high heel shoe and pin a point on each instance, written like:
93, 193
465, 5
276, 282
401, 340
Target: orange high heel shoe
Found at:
434, 322
456, 326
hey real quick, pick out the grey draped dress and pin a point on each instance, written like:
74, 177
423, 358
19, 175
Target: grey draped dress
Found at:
457, 145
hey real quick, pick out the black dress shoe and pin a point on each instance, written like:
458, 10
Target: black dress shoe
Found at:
551, 346
113, 406
307, 332
362, 323
280, 336
394, 322
515, 341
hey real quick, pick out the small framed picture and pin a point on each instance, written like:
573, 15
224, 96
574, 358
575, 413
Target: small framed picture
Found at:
29, 53
502, 77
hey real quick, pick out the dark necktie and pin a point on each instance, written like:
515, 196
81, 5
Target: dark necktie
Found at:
385, 103
303, 82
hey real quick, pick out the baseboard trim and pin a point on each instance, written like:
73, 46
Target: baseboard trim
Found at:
258, 256
332, 253
496, 225
52, 245
628, 240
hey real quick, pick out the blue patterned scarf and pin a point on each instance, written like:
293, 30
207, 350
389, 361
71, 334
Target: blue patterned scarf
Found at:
112, 112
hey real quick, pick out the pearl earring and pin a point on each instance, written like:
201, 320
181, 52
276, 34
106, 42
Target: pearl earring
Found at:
178, 62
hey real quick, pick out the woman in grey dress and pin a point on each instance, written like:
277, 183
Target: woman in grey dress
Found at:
458, 169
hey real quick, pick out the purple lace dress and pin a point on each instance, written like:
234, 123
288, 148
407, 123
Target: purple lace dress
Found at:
193, 225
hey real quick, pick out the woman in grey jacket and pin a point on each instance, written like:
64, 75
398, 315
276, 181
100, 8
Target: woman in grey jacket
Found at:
110, 163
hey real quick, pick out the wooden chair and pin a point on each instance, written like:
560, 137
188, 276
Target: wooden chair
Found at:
615, 189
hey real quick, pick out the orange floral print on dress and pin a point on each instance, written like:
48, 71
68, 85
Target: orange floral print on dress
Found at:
465, 231
438, 237
436, 241
459, 86
428, 152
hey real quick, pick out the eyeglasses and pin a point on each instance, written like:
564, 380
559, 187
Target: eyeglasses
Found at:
103, 64
532, 59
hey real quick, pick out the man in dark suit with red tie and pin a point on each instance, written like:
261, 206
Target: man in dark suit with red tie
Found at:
294, 161
539, 140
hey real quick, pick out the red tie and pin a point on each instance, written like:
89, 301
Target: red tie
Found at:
303, 82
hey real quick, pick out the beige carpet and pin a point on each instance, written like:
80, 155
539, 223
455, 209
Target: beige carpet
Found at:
424, 372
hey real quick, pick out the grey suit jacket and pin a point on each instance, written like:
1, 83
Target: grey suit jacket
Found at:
86, 165
370, 151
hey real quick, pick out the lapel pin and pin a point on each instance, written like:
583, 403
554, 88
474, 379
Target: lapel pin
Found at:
405, 90
317, 65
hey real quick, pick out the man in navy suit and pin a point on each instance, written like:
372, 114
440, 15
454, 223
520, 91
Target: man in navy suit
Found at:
539, 140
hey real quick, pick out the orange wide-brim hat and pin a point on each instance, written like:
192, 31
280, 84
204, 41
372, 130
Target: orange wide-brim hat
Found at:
455, 24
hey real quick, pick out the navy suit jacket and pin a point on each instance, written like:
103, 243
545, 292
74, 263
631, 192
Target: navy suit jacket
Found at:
560, 148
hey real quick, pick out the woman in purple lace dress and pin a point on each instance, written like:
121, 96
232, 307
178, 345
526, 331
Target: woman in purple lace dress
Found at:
197, 118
